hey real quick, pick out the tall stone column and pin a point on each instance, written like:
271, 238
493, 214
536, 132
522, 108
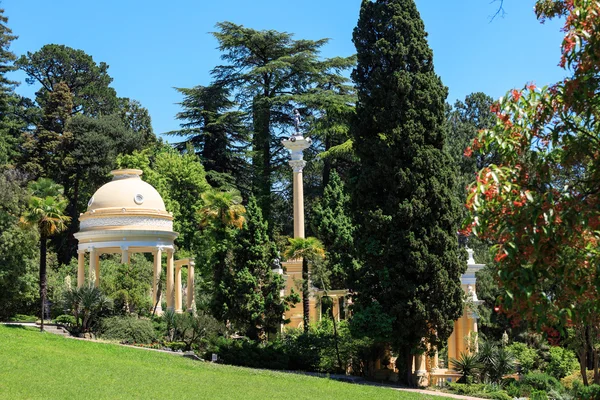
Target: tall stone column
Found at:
95, 266
170, 291
80, 268
297, 144
190, 287
178, 290
156, 280
298, 186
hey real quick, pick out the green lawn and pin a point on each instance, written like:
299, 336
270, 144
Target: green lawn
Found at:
36, 365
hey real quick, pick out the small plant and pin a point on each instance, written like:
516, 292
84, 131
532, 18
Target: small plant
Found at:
468, 366
128, 330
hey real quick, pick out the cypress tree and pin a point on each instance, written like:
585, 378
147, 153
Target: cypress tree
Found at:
403, 198
333, 226
251, 291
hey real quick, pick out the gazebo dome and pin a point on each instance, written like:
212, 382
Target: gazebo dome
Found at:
126, 203
126, 190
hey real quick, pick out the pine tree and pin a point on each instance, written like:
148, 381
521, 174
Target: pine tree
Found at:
215, 129
252, 291
7, 59
403, 198
270, 73
333, 226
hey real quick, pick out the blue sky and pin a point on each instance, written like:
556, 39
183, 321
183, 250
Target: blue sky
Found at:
153, 46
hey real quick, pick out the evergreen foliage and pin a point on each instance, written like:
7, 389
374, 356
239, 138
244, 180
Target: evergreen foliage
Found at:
251, 289
87, 81
403, 196
7, 59
270, 73
215, 131
333, 226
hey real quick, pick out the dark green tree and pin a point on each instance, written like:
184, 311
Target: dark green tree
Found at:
215, 129
136, 118
334, 227
403, 196
87, 81
18, 262
270, 73
7, 59
252, 289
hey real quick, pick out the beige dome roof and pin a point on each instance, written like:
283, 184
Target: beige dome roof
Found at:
126, 190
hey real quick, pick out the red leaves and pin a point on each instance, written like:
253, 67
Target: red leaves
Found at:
468, 152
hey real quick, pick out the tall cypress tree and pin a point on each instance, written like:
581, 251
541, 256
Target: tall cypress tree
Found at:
333, 226
403, 197
251, 290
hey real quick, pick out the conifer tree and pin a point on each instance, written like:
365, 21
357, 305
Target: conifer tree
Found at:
7, 59
252, 289
403, 198
333, 226
270, 73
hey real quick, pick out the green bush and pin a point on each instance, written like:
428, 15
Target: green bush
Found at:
24, 318
127, 329
569, 381
538, 395
467, 389
562, 362
65, 319
499, 395
251, 354
541, 381
526, 356
582, 392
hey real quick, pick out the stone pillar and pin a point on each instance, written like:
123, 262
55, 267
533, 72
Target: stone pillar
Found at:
124, 255
95, 266
156, 280
298, 166
80, 268
170, 292
190, 287
178, 289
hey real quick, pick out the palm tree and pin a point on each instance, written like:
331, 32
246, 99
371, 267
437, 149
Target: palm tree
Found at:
311, 251
223, 209
46, 212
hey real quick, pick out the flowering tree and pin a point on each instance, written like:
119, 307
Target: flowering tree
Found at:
540, 203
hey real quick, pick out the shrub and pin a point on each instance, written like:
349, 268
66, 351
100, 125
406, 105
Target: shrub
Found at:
526, 356
467, 389
24, 318
499, 395
538, 395
248, 353
562, 362
582, 392
541, 381
467, 365
65, 319
127, 329
568, 381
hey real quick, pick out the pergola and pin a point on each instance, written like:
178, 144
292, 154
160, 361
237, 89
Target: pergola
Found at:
126, 216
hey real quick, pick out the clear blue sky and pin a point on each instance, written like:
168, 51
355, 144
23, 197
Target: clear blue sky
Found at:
153, 46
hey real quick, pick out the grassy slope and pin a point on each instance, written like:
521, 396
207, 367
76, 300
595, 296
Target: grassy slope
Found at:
34, 365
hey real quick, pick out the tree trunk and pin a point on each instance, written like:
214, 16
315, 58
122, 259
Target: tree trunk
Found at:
583, 366
305, 294
43, 289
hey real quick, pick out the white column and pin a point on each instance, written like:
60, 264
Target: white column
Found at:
124, 255
170, 291
80, 268
94, 266
298, 166
178, 289
190, 287
156, 280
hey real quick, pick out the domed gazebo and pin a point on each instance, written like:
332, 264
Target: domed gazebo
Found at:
125, 216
